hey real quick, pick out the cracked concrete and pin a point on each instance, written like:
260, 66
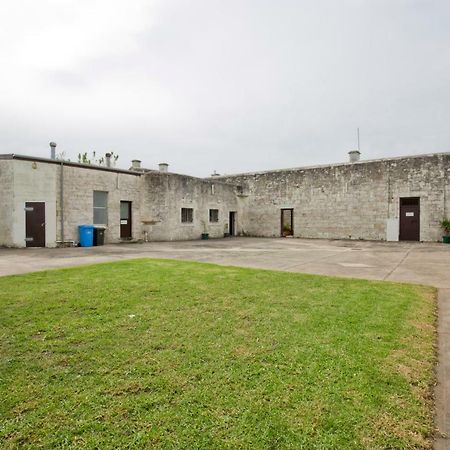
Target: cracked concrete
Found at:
423, 263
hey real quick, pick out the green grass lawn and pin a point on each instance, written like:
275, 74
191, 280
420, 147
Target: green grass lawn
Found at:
156, 353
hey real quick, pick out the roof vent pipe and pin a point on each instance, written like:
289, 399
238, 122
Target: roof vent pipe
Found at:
354, 156
135, 164
53, 150
108, 159
163, 167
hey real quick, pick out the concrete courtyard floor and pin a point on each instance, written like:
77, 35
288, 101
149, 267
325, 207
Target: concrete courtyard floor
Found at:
423, 263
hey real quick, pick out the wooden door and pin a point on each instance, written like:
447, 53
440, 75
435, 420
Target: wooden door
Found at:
125, 220
35, 224
410, 219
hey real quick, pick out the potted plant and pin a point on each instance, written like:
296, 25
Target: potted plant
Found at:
205, 234
445, 225
287, 230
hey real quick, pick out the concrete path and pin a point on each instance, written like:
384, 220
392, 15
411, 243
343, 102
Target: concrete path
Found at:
406, 262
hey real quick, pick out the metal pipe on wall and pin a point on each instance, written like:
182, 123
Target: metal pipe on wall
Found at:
61, 200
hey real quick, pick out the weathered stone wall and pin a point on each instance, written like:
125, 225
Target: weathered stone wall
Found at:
164, 194
35, 181
346, 201
427, 177
342, 201
6, 202
79, 186
31, 182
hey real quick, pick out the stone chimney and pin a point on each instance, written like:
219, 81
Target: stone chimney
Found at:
163, 167
53, 150
135, 164
354, 156
108, 159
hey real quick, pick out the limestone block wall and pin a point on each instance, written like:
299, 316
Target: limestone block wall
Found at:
427, 177
6, 202
32, 181
79, 186
164, 194
346, 201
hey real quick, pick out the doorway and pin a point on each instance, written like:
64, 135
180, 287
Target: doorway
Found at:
410, 219
287, 222
232, 223
125, 220
35, 224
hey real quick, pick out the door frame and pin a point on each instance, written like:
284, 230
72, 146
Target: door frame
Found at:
232, 223
282, 220
43, 242
130, 218
401, 205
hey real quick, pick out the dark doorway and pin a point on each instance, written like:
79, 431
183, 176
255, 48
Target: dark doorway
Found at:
410, 219
125, 220
287, 222
232, 223
35, 224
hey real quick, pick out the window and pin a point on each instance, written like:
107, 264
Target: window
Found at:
100, 208
187, 215
213, 215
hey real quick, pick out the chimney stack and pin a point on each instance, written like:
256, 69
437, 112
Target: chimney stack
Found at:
53, 150
163, 167
354, 156
135, 164
108, 159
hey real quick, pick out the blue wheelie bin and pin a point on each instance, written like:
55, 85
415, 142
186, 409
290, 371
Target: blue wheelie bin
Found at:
86, 235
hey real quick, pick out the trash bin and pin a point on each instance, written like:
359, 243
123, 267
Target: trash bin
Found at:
99, 236
86, 235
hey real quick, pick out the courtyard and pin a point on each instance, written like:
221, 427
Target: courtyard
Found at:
340, 321
421, 263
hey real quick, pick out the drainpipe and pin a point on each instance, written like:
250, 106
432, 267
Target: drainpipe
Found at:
61, 200
61, 190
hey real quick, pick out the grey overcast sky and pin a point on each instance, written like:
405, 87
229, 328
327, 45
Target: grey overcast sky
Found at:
232, 86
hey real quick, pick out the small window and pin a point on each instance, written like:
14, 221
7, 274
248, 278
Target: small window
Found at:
213, 215
100, 208
187, 215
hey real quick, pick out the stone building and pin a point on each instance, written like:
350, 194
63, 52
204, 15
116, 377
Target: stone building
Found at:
389, 199
42, 201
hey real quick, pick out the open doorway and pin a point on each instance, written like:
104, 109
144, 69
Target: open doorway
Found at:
232, 223
287, 222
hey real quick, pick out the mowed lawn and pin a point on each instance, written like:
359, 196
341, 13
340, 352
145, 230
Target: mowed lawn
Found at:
166, 354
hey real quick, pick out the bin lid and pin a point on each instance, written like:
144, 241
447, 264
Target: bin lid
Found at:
85, 226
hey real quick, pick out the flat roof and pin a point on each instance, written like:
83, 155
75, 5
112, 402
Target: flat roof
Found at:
324, 166
139, 172
67, 163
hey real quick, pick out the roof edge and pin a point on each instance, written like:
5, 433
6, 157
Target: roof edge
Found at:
323, 166
14, 156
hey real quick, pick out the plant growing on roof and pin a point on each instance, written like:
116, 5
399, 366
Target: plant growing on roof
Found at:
84, 158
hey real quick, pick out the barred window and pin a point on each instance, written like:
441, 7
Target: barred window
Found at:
213, 215
187, 215
100, 208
